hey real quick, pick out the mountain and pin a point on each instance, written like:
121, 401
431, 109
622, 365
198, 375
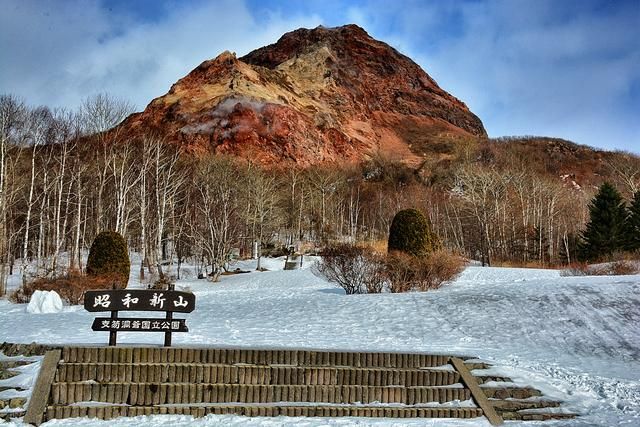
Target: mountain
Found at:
315, 96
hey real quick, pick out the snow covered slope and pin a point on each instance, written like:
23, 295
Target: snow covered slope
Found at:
575, 338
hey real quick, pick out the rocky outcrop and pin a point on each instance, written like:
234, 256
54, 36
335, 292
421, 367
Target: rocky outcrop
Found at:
320, 95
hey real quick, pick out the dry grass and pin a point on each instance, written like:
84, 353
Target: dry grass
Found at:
615, 268
523, 264
625, 268
377, 246
70, 287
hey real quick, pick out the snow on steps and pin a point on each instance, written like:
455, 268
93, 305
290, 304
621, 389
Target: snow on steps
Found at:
111, 382
16, 373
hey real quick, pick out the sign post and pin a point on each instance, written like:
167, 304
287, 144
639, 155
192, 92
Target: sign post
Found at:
139, 300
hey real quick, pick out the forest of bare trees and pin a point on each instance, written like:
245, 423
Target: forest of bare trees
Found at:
64, 178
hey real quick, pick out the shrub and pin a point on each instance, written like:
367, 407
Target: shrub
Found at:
280, 252
71, 287
411, 233
352, 267
356, 270
615, 268
162, 283
576, 269
408, 273
109, 256
624, 268
400, 272
439, 267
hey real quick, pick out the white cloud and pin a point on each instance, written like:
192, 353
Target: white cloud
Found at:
61, 54
564, 69
543, 68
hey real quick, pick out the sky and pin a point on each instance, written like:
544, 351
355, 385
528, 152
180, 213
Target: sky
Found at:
568, 69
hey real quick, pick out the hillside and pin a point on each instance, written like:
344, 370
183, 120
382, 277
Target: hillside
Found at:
574, 338
315, 96
338, 96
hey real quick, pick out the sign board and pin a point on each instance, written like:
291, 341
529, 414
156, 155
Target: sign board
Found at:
138, 324
139, 300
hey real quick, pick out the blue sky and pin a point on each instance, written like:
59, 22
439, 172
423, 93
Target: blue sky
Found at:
567, 68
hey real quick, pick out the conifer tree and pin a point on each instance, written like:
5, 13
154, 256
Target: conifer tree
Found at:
109, 256
411, 233
633, 224
606, 230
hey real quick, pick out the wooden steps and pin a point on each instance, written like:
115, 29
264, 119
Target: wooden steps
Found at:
129, 381
510, 392
109, 412
184, 393
13, 403
251, 357
251, 374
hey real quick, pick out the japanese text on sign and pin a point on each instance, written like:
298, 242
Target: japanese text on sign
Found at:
139, 300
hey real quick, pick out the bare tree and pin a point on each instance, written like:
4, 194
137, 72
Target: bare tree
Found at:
626, 167
125, 178
145, 168
12, 114
168, 179
67, 131
78, 171
214, 225
482, 191
101, 114
263, 201
323, 182
40, 123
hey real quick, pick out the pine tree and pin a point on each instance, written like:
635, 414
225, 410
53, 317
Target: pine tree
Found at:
606, 230
633, 224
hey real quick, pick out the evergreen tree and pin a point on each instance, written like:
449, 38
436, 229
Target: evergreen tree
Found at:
606, 230
411, 233
633, 224
109, 256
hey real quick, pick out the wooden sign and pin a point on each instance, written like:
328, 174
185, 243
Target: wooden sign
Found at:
139, 300
115, 300
138, 324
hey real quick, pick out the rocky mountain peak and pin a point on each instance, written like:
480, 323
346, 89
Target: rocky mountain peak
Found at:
316, 95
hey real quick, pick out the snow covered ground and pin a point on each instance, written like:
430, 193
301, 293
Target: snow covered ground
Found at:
575, 338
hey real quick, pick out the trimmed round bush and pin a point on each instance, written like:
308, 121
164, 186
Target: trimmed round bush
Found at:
411, 233
109, 256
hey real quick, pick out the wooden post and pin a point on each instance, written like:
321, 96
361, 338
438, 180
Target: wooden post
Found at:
40, 395
113, 335
167, 335
477, 393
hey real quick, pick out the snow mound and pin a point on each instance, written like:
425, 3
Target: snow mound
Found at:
45, 302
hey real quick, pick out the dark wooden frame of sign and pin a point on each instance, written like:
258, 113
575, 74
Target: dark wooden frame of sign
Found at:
116, 296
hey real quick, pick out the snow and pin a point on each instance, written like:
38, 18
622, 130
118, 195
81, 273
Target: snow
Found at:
24, 380
44, 302
577, 339
238, 421
21, 384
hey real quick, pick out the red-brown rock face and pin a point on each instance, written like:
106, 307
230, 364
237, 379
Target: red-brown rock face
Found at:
321, 95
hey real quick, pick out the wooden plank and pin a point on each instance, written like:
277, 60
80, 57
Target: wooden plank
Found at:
40, 395
476, 392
